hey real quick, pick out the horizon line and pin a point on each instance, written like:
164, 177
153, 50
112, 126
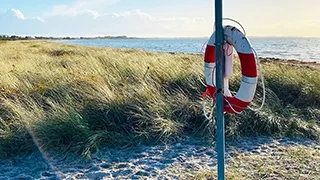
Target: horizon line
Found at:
151, 37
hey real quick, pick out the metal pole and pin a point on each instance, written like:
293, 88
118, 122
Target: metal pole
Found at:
220, 85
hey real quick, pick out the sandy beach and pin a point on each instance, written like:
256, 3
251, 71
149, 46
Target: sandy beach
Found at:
182, 159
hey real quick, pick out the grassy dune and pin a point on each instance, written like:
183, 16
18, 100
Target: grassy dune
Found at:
79, 99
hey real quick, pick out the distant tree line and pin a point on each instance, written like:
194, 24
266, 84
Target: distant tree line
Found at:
14, 38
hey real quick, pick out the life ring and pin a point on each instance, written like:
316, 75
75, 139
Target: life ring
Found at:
245, 94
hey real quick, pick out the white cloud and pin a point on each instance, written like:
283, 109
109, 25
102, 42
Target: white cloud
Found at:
80, 21
78, 7
14, 22
18, 13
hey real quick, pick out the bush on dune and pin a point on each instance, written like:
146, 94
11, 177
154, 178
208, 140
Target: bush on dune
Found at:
80, 99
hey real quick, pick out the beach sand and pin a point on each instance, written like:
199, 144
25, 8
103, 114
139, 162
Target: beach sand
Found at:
182, 159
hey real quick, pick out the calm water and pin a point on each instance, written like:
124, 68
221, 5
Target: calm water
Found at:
307, 49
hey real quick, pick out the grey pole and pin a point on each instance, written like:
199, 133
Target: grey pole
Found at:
220, 85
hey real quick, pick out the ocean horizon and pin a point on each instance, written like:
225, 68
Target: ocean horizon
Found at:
291, 48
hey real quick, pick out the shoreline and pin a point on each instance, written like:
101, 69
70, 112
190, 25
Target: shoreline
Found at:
263, 59
308, 64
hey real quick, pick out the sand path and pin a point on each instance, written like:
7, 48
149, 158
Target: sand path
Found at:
178, 160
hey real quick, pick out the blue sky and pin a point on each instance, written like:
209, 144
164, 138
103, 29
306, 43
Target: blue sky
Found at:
156, 18
30, 7
158, 7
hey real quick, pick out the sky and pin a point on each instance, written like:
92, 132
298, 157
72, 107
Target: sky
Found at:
156, 18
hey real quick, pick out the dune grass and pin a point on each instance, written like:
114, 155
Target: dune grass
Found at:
80, 99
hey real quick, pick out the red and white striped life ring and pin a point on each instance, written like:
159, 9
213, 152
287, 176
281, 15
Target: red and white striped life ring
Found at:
244, 96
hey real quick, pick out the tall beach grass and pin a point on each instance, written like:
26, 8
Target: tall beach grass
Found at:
79, 99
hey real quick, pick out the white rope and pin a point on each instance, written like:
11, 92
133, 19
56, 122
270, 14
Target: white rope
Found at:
230, 19
262, 82
205, 111
235, 21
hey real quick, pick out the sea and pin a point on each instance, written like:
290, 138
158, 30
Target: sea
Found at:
303, 49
